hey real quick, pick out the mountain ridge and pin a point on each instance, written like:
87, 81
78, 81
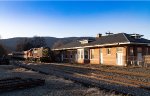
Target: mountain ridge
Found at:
11, 43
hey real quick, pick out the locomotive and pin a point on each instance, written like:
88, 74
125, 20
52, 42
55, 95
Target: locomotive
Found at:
42, 54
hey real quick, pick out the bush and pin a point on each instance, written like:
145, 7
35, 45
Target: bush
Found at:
45, 59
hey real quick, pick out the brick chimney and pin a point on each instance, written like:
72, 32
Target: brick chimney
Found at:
98, 35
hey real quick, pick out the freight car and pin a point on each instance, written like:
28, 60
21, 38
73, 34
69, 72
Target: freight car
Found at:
18, 55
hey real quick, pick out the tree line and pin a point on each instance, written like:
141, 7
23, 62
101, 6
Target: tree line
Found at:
24, 44
28, 43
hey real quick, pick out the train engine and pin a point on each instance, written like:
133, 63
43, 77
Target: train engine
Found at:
41, 54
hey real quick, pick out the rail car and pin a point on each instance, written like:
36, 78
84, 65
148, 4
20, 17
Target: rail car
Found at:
18, 55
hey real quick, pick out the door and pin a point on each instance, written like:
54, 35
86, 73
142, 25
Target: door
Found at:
120, 59
62, 57
139, 58
76, 58
101, 57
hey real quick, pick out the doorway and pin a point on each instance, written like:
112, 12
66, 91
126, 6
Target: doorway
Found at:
139, 58
101, 56
119, 58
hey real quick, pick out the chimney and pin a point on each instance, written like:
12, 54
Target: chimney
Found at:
98, 35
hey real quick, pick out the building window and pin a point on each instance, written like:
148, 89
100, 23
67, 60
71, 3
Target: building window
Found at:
86, 52
131, 51
108, 51
80, 53
92, 54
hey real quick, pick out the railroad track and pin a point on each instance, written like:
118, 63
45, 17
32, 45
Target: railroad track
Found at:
105, 77
110, 79
107, 70
64, 69
114, 75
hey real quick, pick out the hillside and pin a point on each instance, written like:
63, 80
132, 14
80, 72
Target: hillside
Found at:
11, 43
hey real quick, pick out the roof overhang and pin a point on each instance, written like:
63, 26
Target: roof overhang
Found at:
103, 45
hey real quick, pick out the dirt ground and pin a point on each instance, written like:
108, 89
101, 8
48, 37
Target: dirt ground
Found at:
54, 86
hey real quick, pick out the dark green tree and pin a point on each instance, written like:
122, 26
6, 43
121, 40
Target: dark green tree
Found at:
3, 51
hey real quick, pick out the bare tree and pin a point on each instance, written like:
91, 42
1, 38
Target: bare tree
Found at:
24, 44
38, 42
28, 43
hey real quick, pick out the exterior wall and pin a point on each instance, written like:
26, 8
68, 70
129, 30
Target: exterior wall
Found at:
108, 59
111, 59
125, 56
81, 61
95, 60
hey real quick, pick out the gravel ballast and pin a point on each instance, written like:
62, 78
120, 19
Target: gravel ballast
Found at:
54, 86
101, 84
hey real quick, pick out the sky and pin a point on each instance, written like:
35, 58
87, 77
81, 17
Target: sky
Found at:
73, 18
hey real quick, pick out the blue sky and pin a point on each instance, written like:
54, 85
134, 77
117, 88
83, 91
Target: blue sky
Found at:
66, 19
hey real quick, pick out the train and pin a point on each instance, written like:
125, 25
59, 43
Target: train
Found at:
42, 54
